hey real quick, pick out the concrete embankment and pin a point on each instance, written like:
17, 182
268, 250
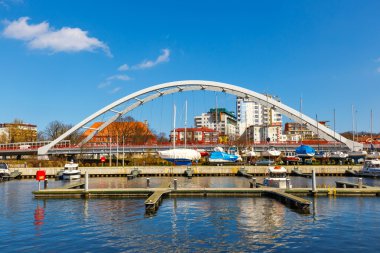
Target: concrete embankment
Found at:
321, 170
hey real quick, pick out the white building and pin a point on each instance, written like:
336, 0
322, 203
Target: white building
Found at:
263, 121
220, 120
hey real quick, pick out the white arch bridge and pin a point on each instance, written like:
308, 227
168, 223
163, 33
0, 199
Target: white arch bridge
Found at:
143, 96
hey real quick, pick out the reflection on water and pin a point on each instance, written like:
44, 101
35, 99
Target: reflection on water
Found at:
241, 224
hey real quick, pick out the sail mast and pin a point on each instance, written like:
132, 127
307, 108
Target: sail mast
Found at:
174, 115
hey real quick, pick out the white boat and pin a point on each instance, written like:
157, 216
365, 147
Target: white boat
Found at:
180, 156
338, 155
4, 170
249, 153
271, 152
357, 154
71, 171
371, 166
277, 178
373, 155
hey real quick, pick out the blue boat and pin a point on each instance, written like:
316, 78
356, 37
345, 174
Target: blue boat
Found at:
305, 151
219, 156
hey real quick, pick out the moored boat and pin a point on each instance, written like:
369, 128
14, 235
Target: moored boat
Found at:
4, 170
71, 171
271, 152
180, 156
371, 166
277, 178
305, 151
219, 156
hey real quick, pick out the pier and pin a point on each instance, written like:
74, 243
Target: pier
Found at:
193, 171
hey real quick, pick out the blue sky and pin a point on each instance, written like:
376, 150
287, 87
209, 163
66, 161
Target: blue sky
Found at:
64, 60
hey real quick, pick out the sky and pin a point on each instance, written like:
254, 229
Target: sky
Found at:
64, 60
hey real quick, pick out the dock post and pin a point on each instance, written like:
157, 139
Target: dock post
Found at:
252, 184
147, 182
175, 183
45, 183
314, 182
86, 181
360, 182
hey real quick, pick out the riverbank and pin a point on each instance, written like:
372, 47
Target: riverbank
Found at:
321, 170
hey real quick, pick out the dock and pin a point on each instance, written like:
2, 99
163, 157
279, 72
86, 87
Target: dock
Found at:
154, 201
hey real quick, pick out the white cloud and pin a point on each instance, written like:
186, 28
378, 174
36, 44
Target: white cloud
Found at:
20, 29
114, 90
164, 57
119, 77
41, 36
123, 67
104, 84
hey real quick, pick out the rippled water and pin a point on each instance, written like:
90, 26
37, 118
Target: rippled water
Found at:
343, 224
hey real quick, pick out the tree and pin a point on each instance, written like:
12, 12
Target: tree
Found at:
57, 128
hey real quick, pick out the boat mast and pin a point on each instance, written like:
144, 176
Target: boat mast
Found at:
353, 128
185, 121
174, 115
371, 125
316, 119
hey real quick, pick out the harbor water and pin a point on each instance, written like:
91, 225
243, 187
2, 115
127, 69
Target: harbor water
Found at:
212, 224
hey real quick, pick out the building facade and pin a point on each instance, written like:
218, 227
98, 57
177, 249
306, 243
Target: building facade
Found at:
220, 120
201, 135
258, 120
17, 132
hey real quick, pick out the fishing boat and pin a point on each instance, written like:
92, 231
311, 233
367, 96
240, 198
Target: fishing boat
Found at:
71, 171
219, 156
277, 178
4, 170
271, 152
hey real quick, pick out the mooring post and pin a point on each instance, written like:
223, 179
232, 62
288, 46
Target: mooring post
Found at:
314, 182
360, 182
252, 184
45, 183
86, 181
175, 183
147, 182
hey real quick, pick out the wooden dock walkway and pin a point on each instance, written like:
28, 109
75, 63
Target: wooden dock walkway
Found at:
154, 201
343, 184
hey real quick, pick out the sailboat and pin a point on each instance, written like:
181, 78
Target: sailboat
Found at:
372, 154
355, 154
179, 156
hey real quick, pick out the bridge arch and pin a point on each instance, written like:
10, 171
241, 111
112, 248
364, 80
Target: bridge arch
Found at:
148, 94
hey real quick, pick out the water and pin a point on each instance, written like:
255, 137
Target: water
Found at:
342, 224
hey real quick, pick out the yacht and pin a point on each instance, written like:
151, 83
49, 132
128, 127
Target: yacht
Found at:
71, 171
4, 170
371, 166
219, 156
277, 178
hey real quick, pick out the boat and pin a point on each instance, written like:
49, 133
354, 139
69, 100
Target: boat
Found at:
271, 152
264, 162
290, 158
305, 152
4, 170
180, 156
249, 153
71, 171
356, 155
371, 166
277, 178
338, 155
219, 156
373, 155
